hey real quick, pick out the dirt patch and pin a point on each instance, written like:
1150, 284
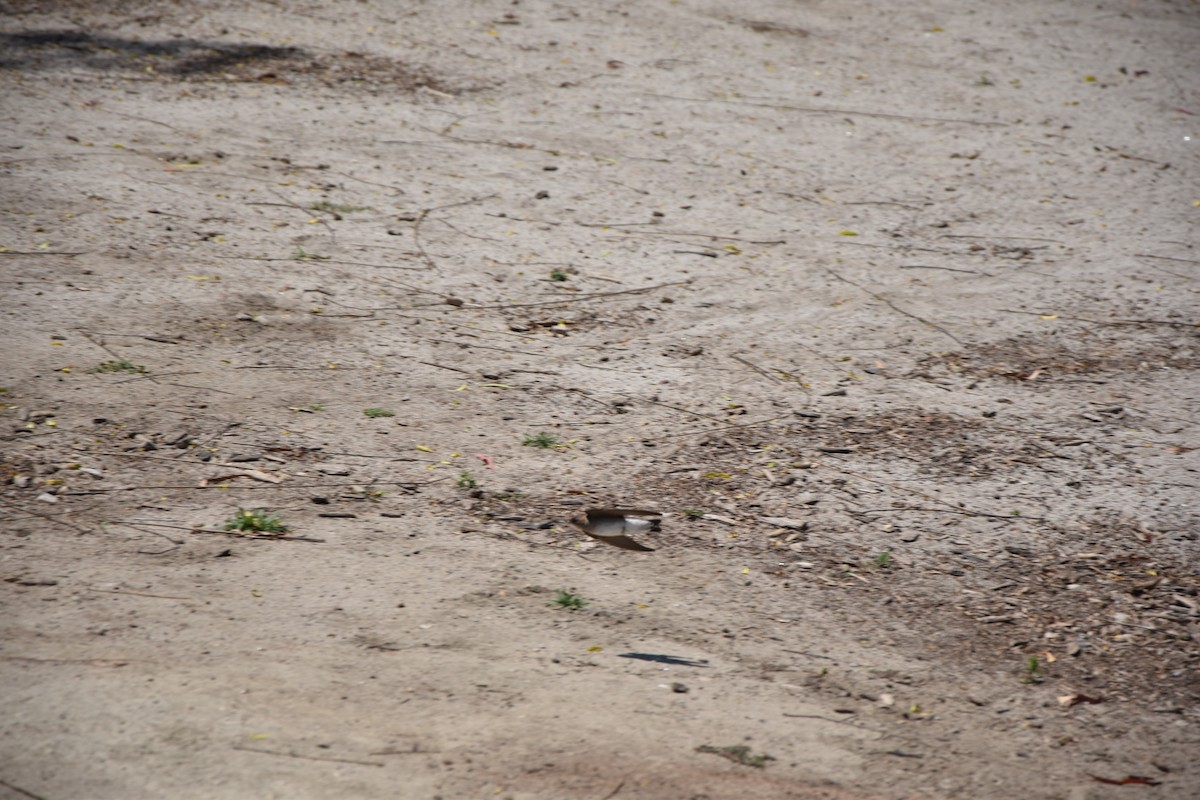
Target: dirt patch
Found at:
325, 317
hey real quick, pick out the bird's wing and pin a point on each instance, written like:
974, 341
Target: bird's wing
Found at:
623, 512
623, 542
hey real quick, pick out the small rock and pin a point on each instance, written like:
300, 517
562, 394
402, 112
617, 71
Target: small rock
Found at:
333, 469
22, 481
910, 536
786, 522
95, 473
180, 439
46, 497
679, 688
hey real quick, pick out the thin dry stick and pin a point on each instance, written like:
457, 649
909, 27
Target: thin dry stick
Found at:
724, 427
1167, 258
896, 308
524, 146
176, 542
614, 792
227, 488
235, 534
20, 791
487, 347
140, 594
1106, 321
766, 374
846, 111
50, 518
41, 253
586, 297
307, 758
308, 211
950, 509
947, 269
425, 212
678, 233
1007, 238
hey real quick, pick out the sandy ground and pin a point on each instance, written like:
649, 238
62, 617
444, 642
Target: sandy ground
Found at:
890, 307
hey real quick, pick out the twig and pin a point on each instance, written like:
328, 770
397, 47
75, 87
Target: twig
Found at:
147, 119
443, 366
486, 347
307, 758
896, 308
757, 368
425, 212
585, 297
846, 111
713, 236
41, 253
818, 716
91, 662
50, 518
947, 269
176, 542
1105, 321
613, 793
20, 791
1009, 238
1167, 258
140, 594
724, 427
306, 211
960, 511
222, 486
235, 534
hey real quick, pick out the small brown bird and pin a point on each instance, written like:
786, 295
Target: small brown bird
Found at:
613, 525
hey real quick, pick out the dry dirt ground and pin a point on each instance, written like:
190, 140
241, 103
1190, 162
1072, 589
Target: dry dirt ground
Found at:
891, 307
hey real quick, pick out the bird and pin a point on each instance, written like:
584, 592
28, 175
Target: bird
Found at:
613, 525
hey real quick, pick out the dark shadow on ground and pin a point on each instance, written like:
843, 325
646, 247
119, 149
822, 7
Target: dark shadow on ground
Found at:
659, 658
179, 57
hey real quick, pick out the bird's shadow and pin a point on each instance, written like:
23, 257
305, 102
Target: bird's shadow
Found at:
660, 658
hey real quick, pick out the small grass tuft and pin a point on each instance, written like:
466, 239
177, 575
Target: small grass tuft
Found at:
121, 365
738, 754
569, 600
543, 439
884, 560
693, 513
467, 481
559, 275
1033, 670
376, 413
257, 520
325, 205
303, 255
